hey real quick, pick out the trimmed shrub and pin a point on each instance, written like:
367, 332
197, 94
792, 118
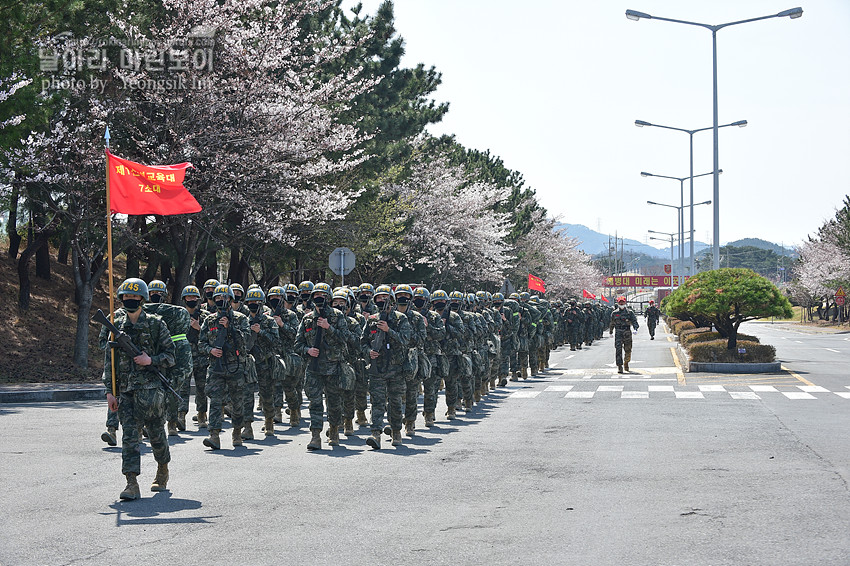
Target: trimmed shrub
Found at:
683, 325
716, 351
690, 339
687, 335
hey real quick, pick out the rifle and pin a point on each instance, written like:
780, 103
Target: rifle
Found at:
317, 342
221, 341
197, 314
123, 341
380, 338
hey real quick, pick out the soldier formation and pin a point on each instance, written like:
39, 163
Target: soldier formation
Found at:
347, 349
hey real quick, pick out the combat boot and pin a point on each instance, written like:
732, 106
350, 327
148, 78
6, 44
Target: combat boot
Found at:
278, 416
109, 436
626, 366
214, 441
619, 369
524, 372
236, 437
132, 490
397, 438
347, 427
181, 420
476, 395
333, 435
493, 383
410, 428
451, 414
268, 428
294, 417
503, 381
514, 376
572, 348
429, 419
172, 428
467, 405
248, 431
202, 420
361, 418
578, 347
161, 479
374, 441
315, 442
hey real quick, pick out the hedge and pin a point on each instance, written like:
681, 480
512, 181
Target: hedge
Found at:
716, 351
688, 338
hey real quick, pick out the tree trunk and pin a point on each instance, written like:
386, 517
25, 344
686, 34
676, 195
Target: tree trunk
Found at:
42, 260
151, 269
85, 280
12, 227
165, 272
64, 248
24, 288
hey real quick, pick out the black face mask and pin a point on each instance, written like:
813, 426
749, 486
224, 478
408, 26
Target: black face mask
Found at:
440, 305
155, 298
191, 304
237, 299
131, 305
254, 307
419, 302
455, 306
497, 305
403, 301
273, 303
292, 299
364, 298
305, 298
219, 305
208, 295
319, 301
381, 305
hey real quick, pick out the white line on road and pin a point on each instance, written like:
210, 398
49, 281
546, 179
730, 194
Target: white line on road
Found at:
743, 395
579, 395
842, 394
813, 389
831, 350
798, 395
763, 388
798, 342
689, 395
638, 395
559, 388
525, 394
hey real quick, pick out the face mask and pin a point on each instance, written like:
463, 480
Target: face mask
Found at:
254, 307
319, 301
403, 301
273, 303
440, 305
291, 299
497, 305
364, 298
191, 304
219, 305
208, 295
155, 298
237, 299
305, 298
380, 305
621, 306
419, 302
131, 305
455, 306
340, 305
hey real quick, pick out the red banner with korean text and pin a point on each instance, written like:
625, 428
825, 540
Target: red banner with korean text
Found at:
139, 189
587, 294
536, 284
640, 281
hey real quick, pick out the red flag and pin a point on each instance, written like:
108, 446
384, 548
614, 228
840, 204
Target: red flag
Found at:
587, 294
139, 189
604, 299
536, 284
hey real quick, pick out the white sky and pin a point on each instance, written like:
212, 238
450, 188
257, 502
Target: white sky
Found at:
554, 87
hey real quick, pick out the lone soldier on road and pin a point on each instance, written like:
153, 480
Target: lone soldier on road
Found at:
651, 315
622, 320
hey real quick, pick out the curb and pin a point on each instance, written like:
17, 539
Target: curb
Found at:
717, 367
32, 393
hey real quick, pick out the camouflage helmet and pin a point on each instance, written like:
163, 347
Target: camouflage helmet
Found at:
341, 293
421, 292
190, 291
439, 295
211, 284
482, 296
404, 289
275, 291
498, 298
322, 288
157, 286
255, 294
385, 290
237, 287
223, 290
134, 286
471, 299
514, 296
534, 300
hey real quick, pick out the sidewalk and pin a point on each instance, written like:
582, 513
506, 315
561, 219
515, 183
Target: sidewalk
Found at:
49, 392
797, 327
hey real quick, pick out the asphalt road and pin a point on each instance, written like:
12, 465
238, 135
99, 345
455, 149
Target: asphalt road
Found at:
581, 466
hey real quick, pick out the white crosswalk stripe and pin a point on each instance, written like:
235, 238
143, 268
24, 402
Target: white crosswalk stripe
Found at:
637, 390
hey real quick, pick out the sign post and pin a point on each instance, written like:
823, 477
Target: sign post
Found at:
342, 262
840, 297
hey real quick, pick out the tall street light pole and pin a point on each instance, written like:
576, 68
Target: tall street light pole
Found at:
680, 210
682, 218
793, 13
671, 252
641, 123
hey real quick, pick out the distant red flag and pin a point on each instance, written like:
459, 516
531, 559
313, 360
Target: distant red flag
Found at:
536, 284
587, 294
139, 189
604, 299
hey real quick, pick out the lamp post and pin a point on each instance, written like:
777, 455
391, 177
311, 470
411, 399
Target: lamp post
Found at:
682, 217
642, 123
793, 13
671, 252
681, 213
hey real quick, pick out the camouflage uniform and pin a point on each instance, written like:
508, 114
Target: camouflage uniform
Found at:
177, 320
141, 396
466, 368
439, 365
200, 364
652, 315
523, 338
510, 327
265, 359
417, 364
290, 372
535, 333
622, 320
574, 318
226, 375
350, 398
386, 380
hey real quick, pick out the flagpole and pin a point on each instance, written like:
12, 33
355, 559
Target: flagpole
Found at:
109, 260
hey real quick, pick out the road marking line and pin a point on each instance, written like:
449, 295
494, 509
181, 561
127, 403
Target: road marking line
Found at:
743, 395
598, 379
639, 395
679, 374
764, 388
712, 388
831, 350
813, 389
842, 394
798, 395
579, 395
806, 381
798, 342
559, 388
603, 388
570, 357
524, 394
659, 388
689, 395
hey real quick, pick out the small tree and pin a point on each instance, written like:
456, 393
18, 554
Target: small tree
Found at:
727, 297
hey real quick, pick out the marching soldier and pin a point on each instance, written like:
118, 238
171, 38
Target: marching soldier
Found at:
622, 321
266, 342
413, 370
452, 348
433, 351
282, 302
574, 318
191, 298
652, 315
345, 301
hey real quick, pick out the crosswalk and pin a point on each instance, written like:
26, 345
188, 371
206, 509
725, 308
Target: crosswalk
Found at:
640, 391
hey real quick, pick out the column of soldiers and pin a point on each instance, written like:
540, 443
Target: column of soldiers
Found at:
345, 348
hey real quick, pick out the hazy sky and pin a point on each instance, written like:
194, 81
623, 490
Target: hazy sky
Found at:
554, 88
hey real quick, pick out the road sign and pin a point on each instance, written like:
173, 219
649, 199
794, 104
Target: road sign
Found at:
342, 261
840, 292
839, 301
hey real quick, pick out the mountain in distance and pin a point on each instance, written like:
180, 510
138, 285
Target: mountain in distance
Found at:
764, 245
595, 243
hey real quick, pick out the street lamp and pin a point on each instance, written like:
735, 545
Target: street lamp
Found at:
793, 14
680, 210
641, 124
671, 252
682, 218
